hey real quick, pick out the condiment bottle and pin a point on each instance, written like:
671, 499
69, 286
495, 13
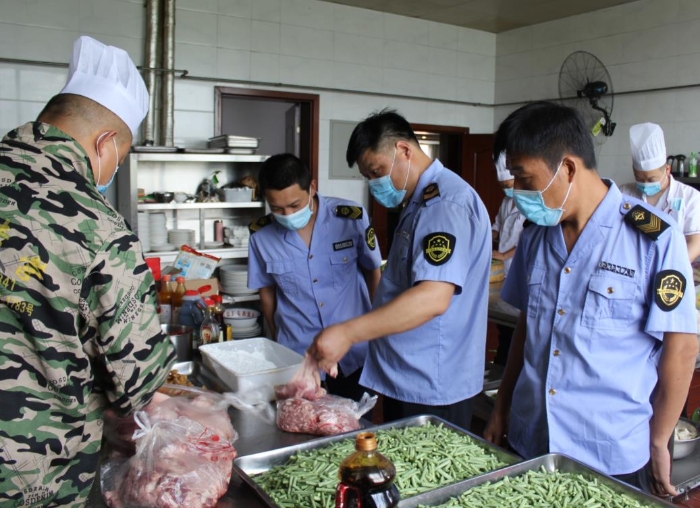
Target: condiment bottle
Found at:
366, 477
165, 297
209, 329
192, 314
176, 300
693, 166
219, 315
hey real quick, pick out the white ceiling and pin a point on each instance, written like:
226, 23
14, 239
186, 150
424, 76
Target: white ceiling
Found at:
487, 15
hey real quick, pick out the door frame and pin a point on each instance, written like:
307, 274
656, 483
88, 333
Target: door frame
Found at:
310, 108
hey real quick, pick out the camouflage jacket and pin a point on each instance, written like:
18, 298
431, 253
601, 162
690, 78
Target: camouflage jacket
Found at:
78, 323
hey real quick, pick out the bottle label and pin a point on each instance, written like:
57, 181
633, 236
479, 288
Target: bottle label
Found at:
166, 314
207, 333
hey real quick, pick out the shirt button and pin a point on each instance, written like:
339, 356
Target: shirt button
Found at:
561, 312
626, 206
557, 352
611, 290
345, 260
311, 256
552, 391
320, 304
315, 281
567, 270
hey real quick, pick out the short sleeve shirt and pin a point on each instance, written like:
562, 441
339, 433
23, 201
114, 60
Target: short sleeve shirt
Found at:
443, 235
320, 285
596, 319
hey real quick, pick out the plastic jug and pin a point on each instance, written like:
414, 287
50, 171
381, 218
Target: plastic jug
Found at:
192, 313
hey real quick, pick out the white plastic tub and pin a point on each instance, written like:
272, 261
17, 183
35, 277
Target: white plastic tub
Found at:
277, 363
236, 194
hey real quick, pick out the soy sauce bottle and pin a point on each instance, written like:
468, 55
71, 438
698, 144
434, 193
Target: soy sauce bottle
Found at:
366, 477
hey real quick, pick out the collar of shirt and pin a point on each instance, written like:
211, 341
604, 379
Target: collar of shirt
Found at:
425, 179
64, 147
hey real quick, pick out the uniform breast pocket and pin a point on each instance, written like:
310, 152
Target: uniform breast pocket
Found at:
608, 303
535, 282
344, 267
285, 278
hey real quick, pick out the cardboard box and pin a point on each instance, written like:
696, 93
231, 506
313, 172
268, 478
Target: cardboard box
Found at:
198, 283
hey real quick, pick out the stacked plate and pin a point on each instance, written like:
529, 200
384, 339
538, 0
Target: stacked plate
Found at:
244, 322
248, 333
144, 229
234, 280
180, 237
159, 234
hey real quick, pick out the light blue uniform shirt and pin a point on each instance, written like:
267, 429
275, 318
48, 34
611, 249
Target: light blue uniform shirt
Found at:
594, 335
320, 285
442, 361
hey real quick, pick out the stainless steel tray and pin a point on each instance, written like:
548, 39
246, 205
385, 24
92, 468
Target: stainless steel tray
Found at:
551, 462
200, 376
250, 465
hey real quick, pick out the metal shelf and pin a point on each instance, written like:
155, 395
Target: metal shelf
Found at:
225, 253
199, 206
241, 298
196, 157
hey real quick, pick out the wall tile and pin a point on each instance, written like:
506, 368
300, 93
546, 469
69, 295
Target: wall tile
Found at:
442, 61
405, 82
307, 42
63, 15
688, 9
10, 81
658, 42
471, 65
9, 116
198, 60
358, 77
545, 87
267, 10
39, 84
688, 35
473, 90
404, 29
193, 128
265, 67
513, 90
194, 96
517, 65
356, 21
687, 105
265, 36
358, 49
444, 36
236, 8
475, 41
44, 44
308, 13
443, 87
196, 28
305, 71
112, 17
233, 33
210, 6
232, 64
402, 55
637, 75
29, 110
658, 107
512, 41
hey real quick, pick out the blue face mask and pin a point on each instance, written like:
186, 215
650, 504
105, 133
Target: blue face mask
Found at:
296, 220
649, 189
103, 188
508, 191
531, 205
383, 190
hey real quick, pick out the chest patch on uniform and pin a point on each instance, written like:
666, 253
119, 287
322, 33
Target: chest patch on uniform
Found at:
648, 223
370, 238
345, 244
349, 212
438, 248
669, 287
260, 223
604, 265
431, 191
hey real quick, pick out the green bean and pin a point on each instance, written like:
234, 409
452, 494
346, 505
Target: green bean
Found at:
425, 457
536, 489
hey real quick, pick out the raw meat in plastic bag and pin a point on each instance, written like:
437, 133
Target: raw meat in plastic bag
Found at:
324, 416
306, 382
184, 457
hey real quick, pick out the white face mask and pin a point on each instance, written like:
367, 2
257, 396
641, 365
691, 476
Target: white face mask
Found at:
103, 188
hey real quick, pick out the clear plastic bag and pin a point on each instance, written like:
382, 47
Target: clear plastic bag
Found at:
305, 384
324, 416
184, 456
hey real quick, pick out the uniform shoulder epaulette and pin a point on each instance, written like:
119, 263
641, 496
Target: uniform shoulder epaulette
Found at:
349, 212
646, 221
431, 191
257, 225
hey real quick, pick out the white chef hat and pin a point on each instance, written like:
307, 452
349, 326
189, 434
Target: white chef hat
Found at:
107, 75
501, 171
647, 146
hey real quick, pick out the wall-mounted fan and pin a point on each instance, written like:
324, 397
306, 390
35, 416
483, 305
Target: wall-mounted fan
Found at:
585, 84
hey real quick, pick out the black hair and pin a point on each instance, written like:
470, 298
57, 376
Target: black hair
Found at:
377, 128
283, 170
547, 131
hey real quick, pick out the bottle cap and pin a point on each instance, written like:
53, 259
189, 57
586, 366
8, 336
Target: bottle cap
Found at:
180, 279
365, 441
209, 302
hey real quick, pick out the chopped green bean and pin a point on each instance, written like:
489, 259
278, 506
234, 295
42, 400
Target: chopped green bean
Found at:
425, 457
536, 489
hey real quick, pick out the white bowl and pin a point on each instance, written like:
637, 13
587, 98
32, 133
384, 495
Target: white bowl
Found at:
241, 319
180, 197
683, 448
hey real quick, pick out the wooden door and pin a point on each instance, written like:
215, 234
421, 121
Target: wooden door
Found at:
479, 171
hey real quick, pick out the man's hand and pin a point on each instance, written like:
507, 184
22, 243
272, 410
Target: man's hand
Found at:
496, 428
330, 346
497, 255
661, 472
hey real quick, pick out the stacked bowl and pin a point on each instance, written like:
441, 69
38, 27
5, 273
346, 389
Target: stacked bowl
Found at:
144, 230
179, 237
244, 322
234, 280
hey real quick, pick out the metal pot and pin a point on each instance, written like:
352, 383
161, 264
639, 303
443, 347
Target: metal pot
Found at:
181, 338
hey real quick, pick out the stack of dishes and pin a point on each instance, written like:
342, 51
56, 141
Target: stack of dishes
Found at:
179, 237
159, 233
234, 280
235, 144
144, 231
244, 322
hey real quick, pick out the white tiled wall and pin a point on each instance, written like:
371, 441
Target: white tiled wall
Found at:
644, 44
299, 42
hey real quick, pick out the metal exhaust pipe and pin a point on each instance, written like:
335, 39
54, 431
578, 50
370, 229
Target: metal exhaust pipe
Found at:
168, 82
151, 62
